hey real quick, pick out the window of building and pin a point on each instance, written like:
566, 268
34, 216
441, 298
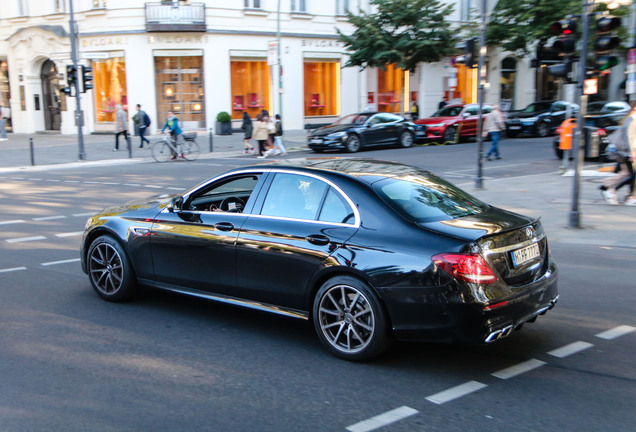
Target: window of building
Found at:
465, 10
253, 4
390, 89
59, 5
322, 88
99, 4
342, 7
109, 86
22, 7
298, 6
508, 74
180, 88
250, 87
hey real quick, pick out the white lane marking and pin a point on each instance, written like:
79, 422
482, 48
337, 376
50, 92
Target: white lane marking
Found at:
53, 180
71, 181
90, 182
12, 269
84, 214
60, 262
175, 188
153, 186
130, 184
110, 183
518, 369
35, 179
25, 239
455, 392
570, 349
382, 419
70, 234
45, 218
616, 332
12, 221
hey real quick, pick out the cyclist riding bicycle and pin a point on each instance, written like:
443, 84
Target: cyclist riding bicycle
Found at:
172, 124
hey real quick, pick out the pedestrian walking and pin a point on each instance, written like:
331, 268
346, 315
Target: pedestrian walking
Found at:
443, 102
261, 134
5, 113
142, 120
623, 141
247, 128
493, 126
279, 148
415, 111
172, 124
121, 126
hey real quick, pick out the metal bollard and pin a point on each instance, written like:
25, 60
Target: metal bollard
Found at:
211, 135
32, 154
129, 141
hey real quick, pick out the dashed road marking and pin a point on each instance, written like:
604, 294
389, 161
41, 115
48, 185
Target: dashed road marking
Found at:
382, 419
570, 349
7, 270
130, 184
518, 369
46, 218
84, 214
25, 239
70, 234
71, 181
616, 332
14, 221
61, 262
53, 180
455, 392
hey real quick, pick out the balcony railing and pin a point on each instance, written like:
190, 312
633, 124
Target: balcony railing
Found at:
175, 17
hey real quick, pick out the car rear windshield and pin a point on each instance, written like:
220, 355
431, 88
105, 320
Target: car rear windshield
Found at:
427, 198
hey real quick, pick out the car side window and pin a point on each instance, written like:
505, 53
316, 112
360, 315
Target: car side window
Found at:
376, 119
294, 196
336, 209
229, 194
559, 107
471, 111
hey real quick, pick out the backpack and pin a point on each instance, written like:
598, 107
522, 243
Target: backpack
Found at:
147, 120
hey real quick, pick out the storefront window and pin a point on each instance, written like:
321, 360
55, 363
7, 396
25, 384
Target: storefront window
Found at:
5, 91
390, 89
109, 77
180, 89
322, 88
250, 88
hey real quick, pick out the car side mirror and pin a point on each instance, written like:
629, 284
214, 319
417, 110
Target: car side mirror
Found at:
175, 203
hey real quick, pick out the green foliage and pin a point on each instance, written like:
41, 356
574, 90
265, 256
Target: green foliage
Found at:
223, 117
404, 32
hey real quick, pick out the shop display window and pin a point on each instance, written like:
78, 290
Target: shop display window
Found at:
322, 87
390, 89
250, 88
179, 86
109, 88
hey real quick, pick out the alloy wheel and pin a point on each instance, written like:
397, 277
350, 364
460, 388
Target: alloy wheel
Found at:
106, 269
353, 143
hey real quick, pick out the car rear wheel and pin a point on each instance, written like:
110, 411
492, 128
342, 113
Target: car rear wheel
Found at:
450, 134
406, 139
353, 143
543, 130
349, 319
109, 270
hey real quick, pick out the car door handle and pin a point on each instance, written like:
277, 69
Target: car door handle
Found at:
224, 226
318, 239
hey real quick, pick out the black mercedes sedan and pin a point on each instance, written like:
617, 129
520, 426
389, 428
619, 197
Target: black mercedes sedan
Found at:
355, 131
368, 251
539, 118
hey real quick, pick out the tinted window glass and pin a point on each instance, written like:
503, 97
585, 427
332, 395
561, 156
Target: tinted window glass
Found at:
451, 111
427, 199
336, 209
235, 191
294, 196
352, 119
388, 117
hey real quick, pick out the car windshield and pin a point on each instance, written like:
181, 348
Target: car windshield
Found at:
537, 106
450, 111
595, 106
427, 198
352, 119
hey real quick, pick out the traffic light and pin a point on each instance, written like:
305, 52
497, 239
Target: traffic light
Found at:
87, 78
606, 42
66, 91
564, 46
71, 75
469, 58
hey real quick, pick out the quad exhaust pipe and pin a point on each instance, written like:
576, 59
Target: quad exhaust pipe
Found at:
503, 332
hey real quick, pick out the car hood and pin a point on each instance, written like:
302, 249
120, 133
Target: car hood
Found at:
326, 130
144, 207
433, 120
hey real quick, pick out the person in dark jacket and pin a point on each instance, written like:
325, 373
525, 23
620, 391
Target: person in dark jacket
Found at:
172, 124
247, 127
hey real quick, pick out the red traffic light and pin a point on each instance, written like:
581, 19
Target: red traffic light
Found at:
565, 27
607, 24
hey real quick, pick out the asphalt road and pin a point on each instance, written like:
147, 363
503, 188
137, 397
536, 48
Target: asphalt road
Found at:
72, 362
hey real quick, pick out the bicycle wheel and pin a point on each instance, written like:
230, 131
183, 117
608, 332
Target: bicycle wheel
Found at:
161, 151
191, 150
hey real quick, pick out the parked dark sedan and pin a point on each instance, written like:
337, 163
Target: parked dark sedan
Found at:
367, 250
539, 118
355, 131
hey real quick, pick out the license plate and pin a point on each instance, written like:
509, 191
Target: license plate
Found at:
316, 141
526, 254
514, 127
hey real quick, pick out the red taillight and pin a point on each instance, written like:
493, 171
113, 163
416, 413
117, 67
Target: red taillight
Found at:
601, 131
468, 267
496, 305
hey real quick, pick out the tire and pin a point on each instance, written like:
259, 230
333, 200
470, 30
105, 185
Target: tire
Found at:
317, 150
161, 151
353, 143
191, 150
510, 134
450, 134
406, 139
543, 130
349, 319
110, 271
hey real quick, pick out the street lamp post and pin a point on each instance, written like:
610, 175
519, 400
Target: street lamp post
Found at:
78, 113
479, 180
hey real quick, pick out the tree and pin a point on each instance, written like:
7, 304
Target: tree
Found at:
404, 32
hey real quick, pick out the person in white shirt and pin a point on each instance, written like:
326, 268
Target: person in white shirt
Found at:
493, 125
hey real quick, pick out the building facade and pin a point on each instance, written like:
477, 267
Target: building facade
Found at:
199, 58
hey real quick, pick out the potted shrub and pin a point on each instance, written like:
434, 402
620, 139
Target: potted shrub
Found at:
223, 124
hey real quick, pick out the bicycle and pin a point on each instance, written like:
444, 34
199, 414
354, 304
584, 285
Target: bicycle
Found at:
167, 148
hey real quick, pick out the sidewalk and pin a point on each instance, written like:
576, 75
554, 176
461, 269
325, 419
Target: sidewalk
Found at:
548, 196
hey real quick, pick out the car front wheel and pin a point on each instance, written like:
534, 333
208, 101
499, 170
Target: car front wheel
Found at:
543, 130
353, 143
109, 270
349, 319
406, 139
450, 134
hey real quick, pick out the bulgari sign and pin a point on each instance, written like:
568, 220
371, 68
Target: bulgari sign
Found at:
322, 43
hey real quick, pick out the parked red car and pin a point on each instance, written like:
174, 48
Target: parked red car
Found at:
453, 123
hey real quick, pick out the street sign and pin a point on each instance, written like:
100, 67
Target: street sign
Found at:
272, 53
